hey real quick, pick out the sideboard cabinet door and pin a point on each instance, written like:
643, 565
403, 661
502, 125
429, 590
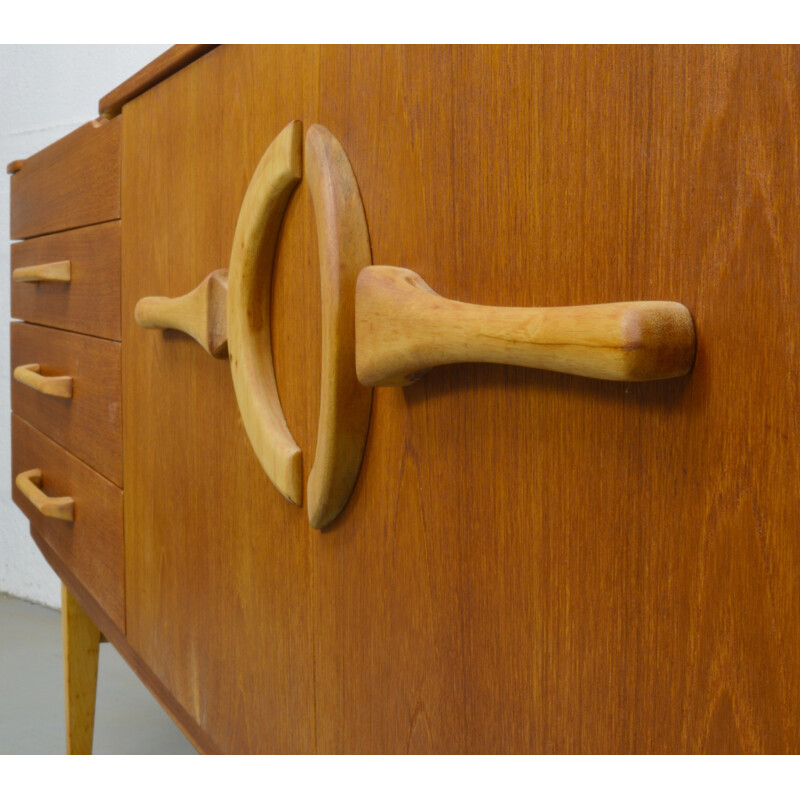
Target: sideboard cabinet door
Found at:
217, 562
530, 562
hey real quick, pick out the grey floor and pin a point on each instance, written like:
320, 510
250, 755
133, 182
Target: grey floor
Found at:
128, 720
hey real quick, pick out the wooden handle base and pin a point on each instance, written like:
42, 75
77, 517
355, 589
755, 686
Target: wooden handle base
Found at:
201, 313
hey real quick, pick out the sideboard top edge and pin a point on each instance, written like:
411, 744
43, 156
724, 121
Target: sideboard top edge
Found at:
168, 63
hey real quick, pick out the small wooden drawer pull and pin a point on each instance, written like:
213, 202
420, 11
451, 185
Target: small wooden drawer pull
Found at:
56, 507
54, 385
56, 272
202, 313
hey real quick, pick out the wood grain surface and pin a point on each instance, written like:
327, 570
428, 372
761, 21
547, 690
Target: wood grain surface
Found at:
109, 632
91, 545
169, 62
73, 182
89, 423
530, 562
81, 650
220, 580
404, 328
89, 303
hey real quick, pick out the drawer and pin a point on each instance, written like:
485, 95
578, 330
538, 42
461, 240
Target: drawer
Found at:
89, 422
73, 182
89, 301
91, 544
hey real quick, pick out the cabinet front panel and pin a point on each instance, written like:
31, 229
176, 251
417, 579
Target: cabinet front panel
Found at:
71, 183
89, 422
218, 563
529, 562
89, 546
89, 302
541, 563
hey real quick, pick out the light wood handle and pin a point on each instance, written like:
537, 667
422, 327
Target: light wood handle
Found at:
201, 313
55, 272
250, 345
53, 385
56, 507
404, 328
344, 405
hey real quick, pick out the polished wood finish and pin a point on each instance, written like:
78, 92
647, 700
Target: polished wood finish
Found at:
92, 545
73, 182
81, 646
29, 483
344, 404
55, 272
160, 68
228, 629
90, 302
530, 562
201, 313
14, 166
534, 562
403, 328
52, 385
111, 633
89, 423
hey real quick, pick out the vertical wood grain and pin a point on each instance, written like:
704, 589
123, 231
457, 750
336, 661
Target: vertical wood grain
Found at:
81, 645
539, 563
91, 546
530, 562
89, 422
217, 561
73, 182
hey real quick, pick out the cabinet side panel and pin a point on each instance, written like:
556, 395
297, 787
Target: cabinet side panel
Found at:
217, 561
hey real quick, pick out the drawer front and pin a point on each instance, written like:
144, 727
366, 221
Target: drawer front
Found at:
71, 183
91, 545
89, 301
89, 423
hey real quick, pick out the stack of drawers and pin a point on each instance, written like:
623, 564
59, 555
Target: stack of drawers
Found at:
65, 358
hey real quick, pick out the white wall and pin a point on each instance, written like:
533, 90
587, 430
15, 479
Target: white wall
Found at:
46, 91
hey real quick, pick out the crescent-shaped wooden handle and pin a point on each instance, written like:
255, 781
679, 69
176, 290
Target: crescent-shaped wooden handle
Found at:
56, 507
201, 313
404, 328
345, 404
249, 288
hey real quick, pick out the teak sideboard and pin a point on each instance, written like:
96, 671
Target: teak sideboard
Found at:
484, 558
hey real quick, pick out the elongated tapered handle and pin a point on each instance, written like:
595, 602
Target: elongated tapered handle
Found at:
56, 507
53, 385
201, 313
54, 272
404, 328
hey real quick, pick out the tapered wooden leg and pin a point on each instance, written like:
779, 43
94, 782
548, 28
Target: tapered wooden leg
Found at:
81, 643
